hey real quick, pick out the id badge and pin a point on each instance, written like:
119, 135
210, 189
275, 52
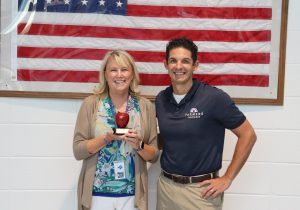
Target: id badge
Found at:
119, 167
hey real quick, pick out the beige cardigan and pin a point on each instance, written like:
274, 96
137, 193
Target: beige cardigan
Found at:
84, 130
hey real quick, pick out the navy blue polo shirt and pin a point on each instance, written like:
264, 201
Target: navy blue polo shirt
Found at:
193, 131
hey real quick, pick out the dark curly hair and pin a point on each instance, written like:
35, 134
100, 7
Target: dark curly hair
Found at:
184, 43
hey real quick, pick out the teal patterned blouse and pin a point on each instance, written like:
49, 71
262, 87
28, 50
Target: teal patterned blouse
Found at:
105, 183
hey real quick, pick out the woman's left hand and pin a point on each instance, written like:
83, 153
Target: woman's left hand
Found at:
132, 139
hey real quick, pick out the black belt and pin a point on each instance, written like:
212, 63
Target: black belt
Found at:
190, 179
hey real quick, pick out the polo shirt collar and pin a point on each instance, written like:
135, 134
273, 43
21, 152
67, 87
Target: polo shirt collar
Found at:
188, 96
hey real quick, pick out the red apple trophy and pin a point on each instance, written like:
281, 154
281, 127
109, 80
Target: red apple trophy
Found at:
121, 119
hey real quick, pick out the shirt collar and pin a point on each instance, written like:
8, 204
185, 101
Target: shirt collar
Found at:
188, 96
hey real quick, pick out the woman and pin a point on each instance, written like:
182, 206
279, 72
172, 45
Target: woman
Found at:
114, 173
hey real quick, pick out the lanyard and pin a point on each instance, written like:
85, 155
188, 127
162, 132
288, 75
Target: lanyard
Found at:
111, 105
113, 116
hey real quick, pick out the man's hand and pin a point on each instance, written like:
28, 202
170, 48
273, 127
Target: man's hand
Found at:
215, 187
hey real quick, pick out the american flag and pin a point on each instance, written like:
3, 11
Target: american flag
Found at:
60, 43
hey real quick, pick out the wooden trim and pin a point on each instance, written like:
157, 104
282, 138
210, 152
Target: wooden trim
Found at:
280, 88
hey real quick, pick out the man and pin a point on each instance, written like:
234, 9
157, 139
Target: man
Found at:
192, 118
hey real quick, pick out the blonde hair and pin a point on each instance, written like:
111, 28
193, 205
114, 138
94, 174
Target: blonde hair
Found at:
123, 58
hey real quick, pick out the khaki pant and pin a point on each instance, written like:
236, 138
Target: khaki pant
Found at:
175, 196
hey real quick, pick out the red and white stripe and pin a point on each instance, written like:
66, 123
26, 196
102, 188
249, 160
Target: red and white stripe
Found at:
233, 36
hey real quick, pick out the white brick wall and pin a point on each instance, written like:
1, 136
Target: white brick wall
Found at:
38, 170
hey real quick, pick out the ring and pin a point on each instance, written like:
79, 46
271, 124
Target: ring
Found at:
212, 191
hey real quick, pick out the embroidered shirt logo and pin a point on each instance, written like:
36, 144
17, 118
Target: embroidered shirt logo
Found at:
194, 113
194, 110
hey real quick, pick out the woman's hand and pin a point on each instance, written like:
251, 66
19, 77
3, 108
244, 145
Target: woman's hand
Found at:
132, 139
109, 136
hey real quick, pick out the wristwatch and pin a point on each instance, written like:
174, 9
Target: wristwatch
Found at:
142, 145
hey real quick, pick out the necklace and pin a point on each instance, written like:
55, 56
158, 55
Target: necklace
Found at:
114, 110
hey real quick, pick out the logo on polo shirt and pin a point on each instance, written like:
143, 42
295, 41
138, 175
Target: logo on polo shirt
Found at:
194, 113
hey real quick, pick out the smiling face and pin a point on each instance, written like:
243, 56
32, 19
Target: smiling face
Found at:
180, 66
118, 76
